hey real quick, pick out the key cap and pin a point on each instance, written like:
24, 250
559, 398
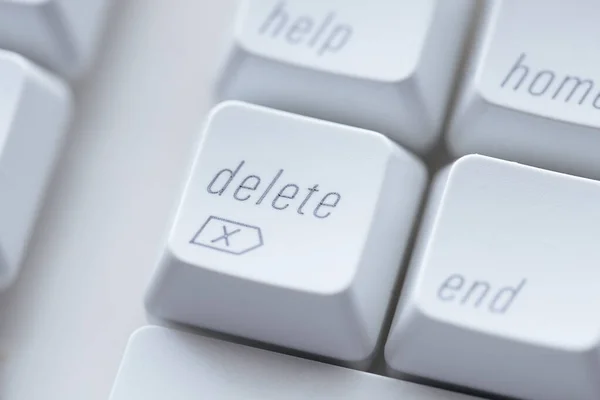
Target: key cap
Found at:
59, 34
503, 285
34, 109
386, 66
532, 95
291, 231
161, 363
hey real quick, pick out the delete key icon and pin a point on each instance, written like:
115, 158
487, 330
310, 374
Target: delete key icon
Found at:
228, 236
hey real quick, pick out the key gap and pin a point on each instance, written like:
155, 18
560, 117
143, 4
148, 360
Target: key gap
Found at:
439, 156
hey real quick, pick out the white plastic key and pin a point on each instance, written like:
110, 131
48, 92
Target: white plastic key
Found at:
502, 291
165, 364
34, 109
386, 65
532, 91
291, 231
58, 34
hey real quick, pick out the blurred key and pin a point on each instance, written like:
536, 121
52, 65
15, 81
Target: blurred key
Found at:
382, 65
34, 109
532, 91
164, 364
59, 34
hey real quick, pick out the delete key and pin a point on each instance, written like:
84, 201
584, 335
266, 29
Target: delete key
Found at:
291, 231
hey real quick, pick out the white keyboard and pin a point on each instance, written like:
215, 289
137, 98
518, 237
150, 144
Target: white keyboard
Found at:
162, 363
269, 199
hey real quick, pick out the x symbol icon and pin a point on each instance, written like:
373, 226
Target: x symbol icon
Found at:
249, 237
226, 235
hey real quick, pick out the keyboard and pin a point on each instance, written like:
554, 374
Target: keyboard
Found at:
298, 199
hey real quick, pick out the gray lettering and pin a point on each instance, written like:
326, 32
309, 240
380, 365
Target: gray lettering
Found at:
450, 287
325, 203
596, 102
548, 76
336, 40
485, 288
505, 297
232, 175
277, 19
571, 89
283, 195
299, 29
243, 186
577, 84
518, 67
323, 35
455, 289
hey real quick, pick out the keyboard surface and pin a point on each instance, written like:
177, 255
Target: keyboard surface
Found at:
161, 363
65, 323
495, 236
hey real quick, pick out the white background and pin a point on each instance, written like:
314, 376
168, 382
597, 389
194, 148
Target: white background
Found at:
65, 323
